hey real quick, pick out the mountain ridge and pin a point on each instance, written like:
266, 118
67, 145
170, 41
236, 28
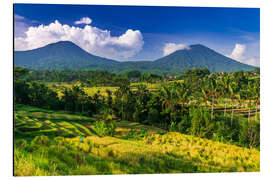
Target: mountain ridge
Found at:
66, 55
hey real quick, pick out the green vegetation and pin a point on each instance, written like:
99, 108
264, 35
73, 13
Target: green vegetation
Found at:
135, 148
199, 122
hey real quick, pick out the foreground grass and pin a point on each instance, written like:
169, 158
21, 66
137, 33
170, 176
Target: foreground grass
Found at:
168, 153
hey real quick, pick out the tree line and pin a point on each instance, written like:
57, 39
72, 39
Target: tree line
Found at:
89, 77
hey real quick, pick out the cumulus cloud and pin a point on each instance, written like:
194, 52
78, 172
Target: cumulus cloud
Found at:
92, 39
84, 20
172, 47
238, 54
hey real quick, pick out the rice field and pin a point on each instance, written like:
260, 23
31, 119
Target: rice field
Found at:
31, 122
59, 143
57, 87
100, 89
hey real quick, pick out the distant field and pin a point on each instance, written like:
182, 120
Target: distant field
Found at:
135, 148
89, 90
101, 90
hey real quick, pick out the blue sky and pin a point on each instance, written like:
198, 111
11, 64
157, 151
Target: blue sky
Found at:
139, 32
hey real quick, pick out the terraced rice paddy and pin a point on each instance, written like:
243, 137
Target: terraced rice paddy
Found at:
135, 148
34, 121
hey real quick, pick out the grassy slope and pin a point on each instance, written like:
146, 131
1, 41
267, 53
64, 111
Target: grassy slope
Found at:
143, 150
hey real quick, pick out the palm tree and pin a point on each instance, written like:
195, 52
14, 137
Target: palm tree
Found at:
169, 98
183, 92
253, 91
257, 94
213, 92
165, 95
124, 94
224, 86
232, 92
204, 90
109, 98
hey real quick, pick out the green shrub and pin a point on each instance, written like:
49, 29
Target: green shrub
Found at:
59, 140
105, 128
173, 126
153, 116
249, 134
40, 140
21, 143
184, 125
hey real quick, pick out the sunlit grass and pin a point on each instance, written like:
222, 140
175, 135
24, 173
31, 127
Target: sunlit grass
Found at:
135, 148
169, 153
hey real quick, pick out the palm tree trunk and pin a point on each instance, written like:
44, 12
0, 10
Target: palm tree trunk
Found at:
122, 112
232, 117
256, 111
248, 114
225, 107
212, 107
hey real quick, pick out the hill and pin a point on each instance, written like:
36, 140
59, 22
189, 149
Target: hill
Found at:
66, 55
63, 55
199, 56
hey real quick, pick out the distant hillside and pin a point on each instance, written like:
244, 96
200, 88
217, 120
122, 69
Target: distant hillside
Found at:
65, 55
199, 56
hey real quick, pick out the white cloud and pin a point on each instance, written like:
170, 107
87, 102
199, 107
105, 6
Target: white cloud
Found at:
84, 20
239, 54
20, 25
94, 40
253, 61
18, 17
172, 47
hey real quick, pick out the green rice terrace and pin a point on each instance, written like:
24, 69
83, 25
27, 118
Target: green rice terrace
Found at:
49, 143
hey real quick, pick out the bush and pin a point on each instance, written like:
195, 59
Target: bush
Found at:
40, 140
133, 134
184, 125
105, 128
21, 143
201, 124
153, 116
249, 134
173, 126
